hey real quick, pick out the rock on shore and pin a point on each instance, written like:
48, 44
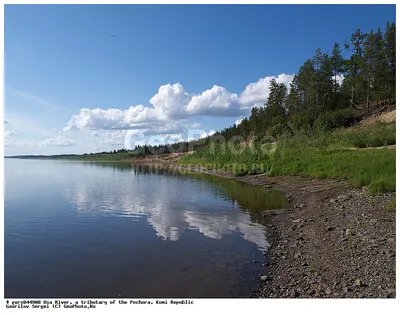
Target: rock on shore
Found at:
336, 242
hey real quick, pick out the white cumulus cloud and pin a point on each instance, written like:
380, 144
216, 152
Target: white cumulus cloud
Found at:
170, 101
172, 105
256, 94
116, 137
57, 142
110, 118
216, 101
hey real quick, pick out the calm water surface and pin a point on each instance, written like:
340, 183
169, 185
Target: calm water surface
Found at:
75, 229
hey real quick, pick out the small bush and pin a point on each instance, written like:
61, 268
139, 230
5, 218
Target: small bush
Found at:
302, 123
369, 136
278, 129
255, 170
380, 186
239, 170
334, 119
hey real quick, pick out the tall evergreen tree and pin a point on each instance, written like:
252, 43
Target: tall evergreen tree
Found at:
390, 53
354, 64
369, 62
337, 63
293, 102
306, 86
277, 99
322, 79
380, 69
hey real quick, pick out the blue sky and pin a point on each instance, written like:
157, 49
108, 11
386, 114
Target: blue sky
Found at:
70, 87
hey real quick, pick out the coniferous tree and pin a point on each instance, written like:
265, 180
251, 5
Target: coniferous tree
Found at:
293, 100
322, 79
354, 64
277, 99
380, 68
337, 63
369, 63
390, 53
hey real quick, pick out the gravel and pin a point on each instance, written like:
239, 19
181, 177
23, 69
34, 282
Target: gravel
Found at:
336, 242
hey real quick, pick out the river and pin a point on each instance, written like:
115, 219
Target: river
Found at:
99, 230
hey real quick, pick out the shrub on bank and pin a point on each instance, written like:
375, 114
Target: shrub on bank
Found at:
334, 119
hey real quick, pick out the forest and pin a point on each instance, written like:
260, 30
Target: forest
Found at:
327, 87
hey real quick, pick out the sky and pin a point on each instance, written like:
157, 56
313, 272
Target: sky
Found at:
92, 78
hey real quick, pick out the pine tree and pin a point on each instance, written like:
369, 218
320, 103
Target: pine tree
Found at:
337, 63
277, 99
380, 69
322, 79
305, 78
390, 53
354, 64
369, 62
293, 102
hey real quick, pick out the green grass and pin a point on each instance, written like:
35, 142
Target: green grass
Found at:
326, 155
230, 158
391, 205
368, 136
373, 168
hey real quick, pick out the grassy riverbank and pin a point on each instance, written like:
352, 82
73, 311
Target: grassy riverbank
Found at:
351, 154
372, 168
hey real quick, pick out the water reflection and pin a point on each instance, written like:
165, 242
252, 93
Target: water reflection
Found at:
172, 203
128, 232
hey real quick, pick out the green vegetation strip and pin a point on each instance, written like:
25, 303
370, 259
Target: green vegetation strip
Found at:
327, 155
372, 168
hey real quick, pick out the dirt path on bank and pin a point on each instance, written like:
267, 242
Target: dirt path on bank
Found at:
159, 158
